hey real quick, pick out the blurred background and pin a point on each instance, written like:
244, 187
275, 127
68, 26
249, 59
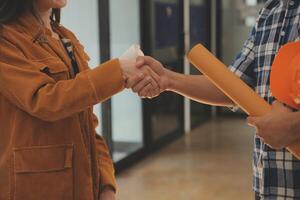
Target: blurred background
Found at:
170, 148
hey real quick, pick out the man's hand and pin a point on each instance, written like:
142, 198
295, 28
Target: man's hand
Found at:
276, 127
161, 77
108, 194
140, 77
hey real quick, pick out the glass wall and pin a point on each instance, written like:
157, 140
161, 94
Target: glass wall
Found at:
134, 126
127, 119
86, 28
199, 33
238, 18
162, 39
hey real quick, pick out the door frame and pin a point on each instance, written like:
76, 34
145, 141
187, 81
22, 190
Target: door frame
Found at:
104, 30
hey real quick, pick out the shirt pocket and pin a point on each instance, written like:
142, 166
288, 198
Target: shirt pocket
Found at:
54, 68
43, 172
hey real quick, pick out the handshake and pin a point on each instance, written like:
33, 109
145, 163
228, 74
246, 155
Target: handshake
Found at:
144, 75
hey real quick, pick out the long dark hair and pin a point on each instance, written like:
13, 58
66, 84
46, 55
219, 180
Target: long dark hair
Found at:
11, 10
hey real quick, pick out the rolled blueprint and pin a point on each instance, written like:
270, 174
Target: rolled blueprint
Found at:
132, 53
238, 91
232, 86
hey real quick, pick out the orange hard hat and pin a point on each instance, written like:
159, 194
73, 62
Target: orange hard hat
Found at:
285, 75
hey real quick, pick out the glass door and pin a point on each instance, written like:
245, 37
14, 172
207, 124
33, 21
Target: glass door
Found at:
236, 20
126, 107
200, 32
162, 36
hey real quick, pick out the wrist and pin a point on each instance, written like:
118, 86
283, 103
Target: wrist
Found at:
125, 66
171, 80
167, 78
295, 124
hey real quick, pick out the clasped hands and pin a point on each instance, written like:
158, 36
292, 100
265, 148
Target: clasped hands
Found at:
145, 76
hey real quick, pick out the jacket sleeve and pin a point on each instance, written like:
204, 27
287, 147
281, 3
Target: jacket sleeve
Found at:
105, 163
41, 96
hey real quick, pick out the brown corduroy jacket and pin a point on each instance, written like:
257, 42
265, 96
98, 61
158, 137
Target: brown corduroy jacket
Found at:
49, 149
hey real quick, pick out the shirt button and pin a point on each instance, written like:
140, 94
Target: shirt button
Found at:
292, 3
282, 33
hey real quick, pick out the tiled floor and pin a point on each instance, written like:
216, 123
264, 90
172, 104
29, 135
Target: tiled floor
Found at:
212, 163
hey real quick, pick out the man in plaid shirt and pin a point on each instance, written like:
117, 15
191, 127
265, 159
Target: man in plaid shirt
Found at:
276, 172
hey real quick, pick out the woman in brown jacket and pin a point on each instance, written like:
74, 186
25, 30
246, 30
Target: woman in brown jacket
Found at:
49, 149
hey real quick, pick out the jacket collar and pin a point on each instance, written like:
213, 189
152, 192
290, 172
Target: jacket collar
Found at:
29, 24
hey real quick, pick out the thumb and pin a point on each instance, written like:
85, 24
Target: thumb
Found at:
140, 61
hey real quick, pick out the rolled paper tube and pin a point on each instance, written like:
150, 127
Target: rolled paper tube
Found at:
233, 87
239, 92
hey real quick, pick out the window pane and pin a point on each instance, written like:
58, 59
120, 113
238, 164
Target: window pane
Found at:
199, 33
165, 45
126, 106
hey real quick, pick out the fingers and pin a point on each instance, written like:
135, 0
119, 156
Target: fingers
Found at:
146, 92
150, 77
134, 79
154, 82
141, 84
156, 66
156, 92
153, 75
149, 92
148, 87
144, 60
140, 62
149, 84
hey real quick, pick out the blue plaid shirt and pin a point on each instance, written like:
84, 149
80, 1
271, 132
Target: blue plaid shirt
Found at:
276, 173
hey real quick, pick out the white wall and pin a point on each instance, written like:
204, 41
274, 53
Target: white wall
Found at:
235, 32
126, 107
234, 36
82, 18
